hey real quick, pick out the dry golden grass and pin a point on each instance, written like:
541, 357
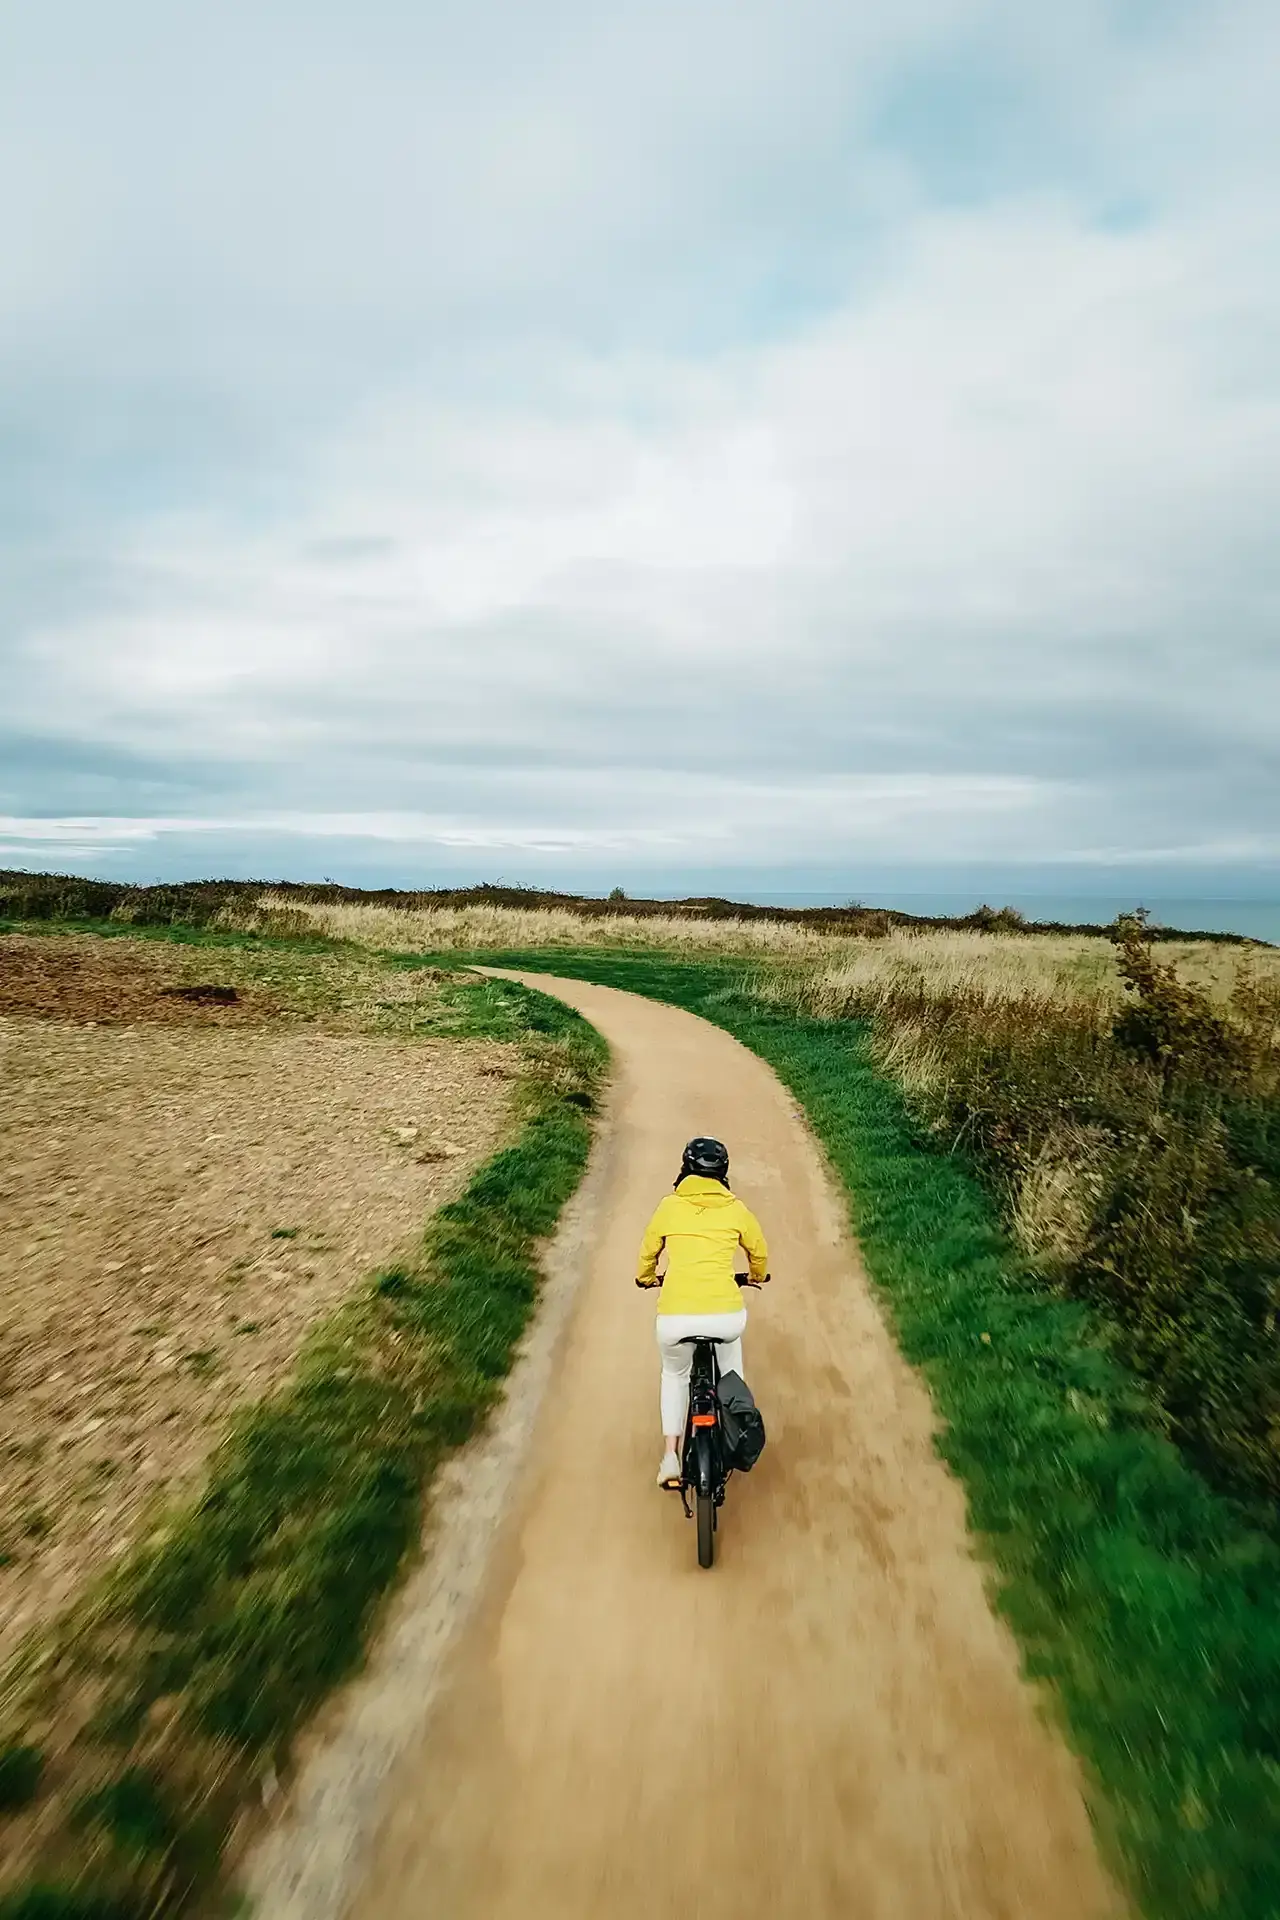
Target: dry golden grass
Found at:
829, 975
1051, 1199
1009, 1036
858, 970
1053, 1203
486, 928
873, 976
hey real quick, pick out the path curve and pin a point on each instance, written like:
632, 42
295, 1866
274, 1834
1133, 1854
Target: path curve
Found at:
829, 1723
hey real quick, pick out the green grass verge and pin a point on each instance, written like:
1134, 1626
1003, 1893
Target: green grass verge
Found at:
176, 933
1143, 1598
188, 1672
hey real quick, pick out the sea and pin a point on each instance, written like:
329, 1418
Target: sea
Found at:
1257, 919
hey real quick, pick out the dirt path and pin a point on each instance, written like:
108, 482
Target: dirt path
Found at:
831, 1722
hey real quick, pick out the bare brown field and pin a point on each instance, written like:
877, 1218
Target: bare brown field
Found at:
185, 1189
85, 980
90, 979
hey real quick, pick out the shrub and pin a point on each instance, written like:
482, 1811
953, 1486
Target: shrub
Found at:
1134, 1149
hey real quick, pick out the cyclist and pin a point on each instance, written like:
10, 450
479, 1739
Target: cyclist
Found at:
701, 1225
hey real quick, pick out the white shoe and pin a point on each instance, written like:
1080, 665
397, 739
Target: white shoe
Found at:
669, 1471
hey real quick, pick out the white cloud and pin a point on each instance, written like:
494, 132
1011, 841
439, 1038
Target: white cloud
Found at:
619, 441
694, 816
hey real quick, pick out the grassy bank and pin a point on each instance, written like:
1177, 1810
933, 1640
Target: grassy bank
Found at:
1140, 1594
1127, 1127
136, 1732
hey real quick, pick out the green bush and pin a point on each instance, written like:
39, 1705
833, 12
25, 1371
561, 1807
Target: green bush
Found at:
1137, 1157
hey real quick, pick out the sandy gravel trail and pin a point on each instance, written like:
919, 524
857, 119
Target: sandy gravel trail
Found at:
830, 1722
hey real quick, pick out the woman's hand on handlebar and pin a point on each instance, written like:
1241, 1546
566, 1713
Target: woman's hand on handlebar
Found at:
743, 1280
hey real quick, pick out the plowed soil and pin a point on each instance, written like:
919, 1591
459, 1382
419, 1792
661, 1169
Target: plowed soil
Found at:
90, 981
181, 1198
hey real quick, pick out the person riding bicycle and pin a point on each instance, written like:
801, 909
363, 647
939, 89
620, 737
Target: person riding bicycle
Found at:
701, 1224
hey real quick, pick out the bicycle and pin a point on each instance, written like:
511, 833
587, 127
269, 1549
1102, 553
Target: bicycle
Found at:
703, 1472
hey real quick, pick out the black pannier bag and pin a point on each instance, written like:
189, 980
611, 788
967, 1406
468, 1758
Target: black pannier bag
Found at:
741, 1423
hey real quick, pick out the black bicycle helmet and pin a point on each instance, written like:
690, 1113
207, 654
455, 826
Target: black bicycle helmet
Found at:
708, 1158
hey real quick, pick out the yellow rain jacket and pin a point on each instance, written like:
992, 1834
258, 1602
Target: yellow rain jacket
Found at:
702, 1225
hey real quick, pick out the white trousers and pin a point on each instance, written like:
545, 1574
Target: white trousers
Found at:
677, 1361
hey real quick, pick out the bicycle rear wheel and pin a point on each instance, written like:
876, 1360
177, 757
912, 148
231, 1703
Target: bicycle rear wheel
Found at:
706, 1529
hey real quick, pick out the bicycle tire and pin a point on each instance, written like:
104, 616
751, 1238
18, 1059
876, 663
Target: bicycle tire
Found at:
706, 1529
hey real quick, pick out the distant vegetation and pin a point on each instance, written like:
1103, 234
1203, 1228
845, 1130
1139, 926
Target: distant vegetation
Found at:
561, 916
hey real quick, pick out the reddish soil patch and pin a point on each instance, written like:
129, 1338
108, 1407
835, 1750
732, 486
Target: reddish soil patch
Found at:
91, 981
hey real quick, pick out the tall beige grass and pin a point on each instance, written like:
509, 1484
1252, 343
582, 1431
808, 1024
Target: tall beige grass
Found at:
1002, 1043
1055, 1197
480, 928
829, 975
916, 969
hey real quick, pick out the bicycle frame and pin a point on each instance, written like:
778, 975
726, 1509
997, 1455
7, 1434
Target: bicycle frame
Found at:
702, 1461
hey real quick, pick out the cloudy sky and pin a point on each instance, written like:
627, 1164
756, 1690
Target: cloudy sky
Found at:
743, 442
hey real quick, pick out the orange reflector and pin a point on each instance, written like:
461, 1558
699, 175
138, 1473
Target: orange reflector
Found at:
704, 1419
